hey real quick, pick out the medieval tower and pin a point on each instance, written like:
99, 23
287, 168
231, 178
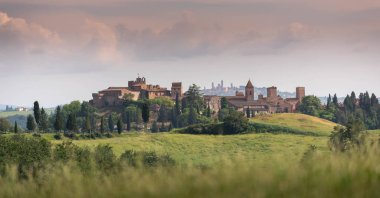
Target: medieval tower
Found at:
249, 91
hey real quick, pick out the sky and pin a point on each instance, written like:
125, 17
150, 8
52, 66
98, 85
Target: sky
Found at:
56, 51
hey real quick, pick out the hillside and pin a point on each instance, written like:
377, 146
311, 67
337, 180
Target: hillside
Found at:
298, 122
210, 149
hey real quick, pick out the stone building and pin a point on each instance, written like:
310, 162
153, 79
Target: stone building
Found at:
176, 89
137, 89
273, 103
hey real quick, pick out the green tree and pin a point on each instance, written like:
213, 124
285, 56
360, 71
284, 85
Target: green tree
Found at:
120, 126
15, 127
162, 114
248, 112
328, 105
346, 138
44, 124
58, 122
223, 103
311, 105
111, 125
177, 105
71, 124
335, 100
102, 124
235, 122
4, 125
36, 112
154, 128
194, 99
208, 112
192, 118
145, 112
30, 123
128, 114
87, 124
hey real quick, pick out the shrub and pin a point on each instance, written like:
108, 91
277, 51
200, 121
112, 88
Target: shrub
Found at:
57, 136
235, 122
146, 158
104, 157
108, 135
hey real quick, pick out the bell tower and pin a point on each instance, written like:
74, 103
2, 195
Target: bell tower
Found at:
249, 91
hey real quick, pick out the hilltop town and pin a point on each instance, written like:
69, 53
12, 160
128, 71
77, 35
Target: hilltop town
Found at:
242, 101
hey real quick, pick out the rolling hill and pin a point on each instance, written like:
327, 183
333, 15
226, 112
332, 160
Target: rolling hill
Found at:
297, 121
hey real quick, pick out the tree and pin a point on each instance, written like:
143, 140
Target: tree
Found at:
102, 124
128, 114
177, 105
162, 114
311, 105
36, 112
208, 112
154, 128
335, 100
248, 112
58, 122
145, 112
192, 119
120, 125
223, 103
374, 100
44, 125
30, 123
194, 98
4, 125
328, 105
235, 122
345, 138
15, 127
111, 125
87, 124
71, 124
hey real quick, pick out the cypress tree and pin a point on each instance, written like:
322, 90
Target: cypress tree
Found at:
119, 126
145, 112
154, 128
87, 124
30, 124
16, 127
71, 124
248, 112
177, 105
192, 119
110, 123
102, 124
36, 112
44, 120
374, 100
335, 100
223, 103
128, 114
58, 123
328, 105
208, 113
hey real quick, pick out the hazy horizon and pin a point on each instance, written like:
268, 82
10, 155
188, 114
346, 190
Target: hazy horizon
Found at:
56, 52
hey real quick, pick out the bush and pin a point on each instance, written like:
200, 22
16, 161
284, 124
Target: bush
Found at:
104, 157
36, 135
109, 135
71, 135
235, 122
210, 129
57, 136
146, 158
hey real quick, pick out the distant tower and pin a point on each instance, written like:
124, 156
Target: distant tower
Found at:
272, 92
221, 84
212, 86
300, 93
249, 91
176, 88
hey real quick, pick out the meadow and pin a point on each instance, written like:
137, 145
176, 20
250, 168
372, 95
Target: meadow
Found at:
244, 165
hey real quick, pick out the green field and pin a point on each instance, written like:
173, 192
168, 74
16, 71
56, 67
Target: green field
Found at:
5, 114
297, 121
208, 149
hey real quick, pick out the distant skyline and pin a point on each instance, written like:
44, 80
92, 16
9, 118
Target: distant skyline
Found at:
59, 51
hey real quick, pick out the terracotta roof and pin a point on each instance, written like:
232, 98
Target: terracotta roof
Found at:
249, 84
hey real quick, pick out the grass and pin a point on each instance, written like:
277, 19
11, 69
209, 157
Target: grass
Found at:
298, 122
5, 114
209, 149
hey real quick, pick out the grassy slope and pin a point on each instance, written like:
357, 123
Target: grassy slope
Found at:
13, 113
297, 121
207, 149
